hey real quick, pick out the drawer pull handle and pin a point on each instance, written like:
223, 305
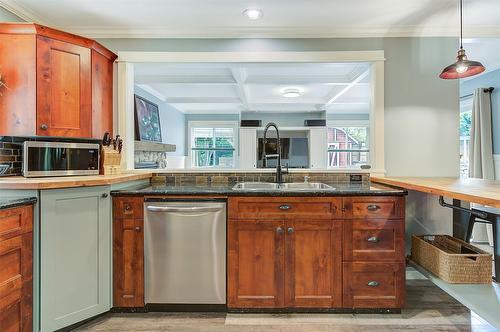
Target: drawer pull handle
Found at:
128, 207
43, 126
373, 207
285, 207
290, 230
279, 230
373, 239
373, 283
105, 195
138, 229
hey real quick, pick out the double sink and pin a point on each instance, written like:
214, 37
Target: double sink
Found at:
293, 186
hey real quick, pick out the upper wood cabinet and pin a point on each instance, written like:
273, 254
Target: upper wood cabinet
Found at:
57, 84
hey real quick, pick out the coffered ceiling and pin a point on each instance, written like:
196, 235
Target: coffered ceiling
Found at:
281, 18
233, 88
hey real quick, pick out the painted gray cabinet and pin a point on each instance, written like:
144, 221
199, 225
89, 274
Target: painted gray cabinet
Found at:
75, 255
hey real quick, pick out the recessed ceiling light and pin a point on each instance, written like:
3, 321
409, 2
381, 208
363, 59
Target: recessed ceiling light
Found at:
253, 13
290, 93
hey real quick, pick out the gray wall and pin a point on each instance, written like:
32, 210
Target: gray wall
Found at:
421, 110
6, 16
491, 79
172, 121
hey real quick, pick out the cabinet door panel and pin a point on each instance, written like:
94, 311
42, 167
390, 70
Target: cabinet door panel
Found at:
102, 95
75, 253
128, 263
313, 263
63, 89
255, 264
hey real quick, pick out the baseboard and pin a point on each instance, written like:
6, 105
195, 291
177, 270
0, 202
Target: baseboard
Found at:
496, 163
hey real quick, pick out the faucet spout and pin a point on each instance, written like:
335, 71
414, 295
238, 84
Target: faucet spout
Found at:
279, 168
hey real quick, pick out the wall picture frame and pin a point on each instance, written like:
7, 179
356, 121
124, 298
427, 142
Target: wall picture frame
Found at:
147, 120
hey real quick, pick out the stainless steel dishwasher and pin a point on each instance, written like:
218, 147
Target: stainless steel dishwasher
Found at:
185, 252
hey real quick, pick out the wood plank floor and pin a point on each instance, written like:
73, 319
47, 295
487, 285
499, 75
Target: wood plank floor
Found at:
428, 309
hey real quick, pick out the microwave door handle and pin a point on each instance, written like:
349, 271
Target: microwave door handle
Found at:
182, 209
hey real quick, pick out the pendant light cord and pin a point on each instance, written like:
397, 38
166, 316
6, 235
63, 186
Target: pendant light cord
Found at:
461, 24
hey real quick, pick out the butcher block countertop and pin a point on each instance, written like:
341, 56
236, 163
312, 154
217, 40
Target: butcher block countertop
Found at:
19, 182
485, 192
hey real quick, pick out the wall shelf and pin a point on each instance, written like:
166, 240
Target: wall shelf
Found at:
154, 146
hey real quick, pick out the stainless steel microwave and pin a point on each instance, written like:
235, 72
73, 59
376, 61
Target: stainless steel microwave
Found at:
60, 159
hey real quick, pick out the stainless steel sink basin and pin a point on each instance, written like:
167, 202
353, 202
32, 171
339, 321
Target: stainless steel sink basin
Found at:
306, 186
294, 186
256, 186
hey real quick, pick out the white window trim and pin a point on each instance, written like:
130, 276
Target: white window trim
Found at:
125, 87
213, 124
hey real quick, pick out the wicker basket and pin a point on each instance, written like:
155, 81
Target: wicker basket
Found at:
451, 259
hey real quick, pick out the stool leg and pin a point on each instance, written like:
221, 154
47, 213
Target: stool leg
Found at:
496, 247
470, 227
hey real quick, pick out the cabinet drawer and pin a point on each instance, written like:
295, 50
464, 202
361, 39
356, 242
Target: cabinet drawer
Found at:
374, 240
284, 208
374, 207
15, 221
374, 285
128, 207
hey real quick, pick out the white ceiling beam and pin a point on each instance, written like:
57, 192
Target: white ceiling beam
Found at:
203, 100
185, 79
299, 79
339, 94
240, 75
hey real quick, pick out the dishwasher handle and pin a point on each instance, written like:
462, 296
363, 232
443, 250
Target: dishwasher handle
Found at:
152, 208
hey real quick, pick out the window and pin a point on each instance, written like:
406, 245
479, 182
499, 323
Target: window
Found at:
213, 144
348, 145
465, 123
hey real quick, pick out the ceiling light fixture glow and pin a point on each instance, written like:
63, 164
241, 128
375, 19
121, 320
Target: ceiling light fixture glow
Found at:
290, 93
253, 13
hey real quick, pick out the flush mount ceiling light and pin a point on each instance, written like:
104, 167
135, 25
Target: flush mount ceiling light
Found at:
253, 13
463, 67
291, 93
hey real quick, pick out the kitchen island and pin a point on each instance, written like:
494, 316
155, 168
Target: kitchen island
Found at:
336, 249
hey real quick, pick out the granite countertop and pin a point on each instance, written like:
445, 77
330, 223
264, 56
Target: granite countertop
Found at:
10, 202
341, 189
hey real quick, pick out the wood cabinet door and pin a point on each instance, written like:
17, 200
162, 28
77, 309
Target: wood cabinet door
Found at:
128, 263
313, 263
255, 263
64, 89
102, 95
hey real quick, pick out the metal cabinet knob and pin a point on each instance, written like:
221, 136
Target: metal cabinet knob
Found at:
105, 195
279, 230
128, 207
138, 229
285, 207
372, 239
373, 283
43, 126
373, 207
290, 230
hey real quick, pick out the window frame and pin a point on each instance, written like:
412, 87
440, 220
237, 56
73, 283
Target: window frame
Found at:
213, 124
354, 123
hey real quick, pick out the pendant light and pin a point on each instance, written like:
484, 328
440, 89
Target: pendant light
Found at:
462, 67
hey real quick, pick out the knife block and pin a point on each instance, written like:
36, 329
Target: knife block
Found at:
110, 161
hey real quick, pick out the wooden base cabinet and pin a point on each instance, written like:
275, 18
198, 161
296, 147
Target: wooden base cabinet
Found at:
16, 269
319, 252
285, 260
128, 252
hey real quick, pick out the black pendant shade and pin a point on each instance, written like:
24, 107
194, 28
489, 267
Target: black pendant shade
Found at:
463, 67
